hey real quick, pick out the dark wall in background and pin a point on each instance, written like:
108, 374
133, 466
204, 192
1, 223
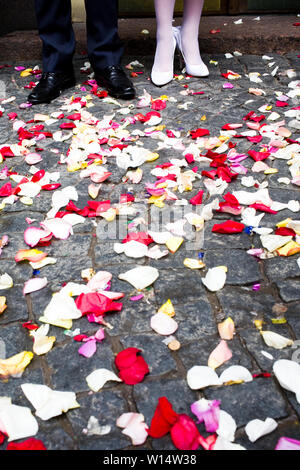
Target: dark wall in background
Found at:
16, 15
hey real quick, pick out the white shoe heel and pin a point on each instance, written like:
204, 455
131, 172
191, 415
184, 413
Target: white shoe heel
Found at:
162, 78
197, 70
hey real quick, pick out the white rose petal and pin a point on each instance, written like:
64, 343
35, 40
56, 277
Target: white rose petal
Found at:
140, 277
49, 403
258, 428
98, 378
202, 376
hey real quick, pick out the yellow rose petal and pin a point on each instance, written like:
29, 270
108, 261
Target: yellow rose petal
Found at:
193, 263
270, 171
27, 201
167, 308
26, 73
62, 323
43, 344
2, 304
289, 249
154, 156
174, 243
283, 223
15, 364
226, 329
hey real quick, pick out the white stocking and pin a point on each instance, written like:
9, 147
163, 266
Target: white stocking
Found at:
190, 30
163, 60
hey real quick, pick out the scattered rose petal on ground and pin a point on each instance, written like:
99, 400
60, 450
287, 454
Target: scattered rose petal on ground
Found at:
98, 378
134, 427
258, 428
47, 402
219, 355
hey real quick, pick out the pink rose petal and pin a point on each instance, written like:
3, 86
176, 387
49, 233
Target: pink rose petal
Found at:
33, 158
207, 411
219, 355
286, 443
34, 284
88, 349
33, 235
134, 427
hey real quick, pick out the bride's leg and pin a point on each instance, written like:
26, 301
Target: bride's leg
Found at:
163, 60
190, 30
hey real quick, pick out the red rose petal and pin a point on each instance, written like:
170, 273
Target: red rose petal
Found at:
126, 358
163, 419
199, 133
230, 226
96, 303
136, 373
285, 232
132, 368
29, 444
184, 433
262, 208
197, 200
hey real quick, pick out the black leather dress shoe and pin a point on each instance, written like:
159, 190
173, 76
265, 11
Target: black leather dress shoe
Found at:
50, 87
115, 81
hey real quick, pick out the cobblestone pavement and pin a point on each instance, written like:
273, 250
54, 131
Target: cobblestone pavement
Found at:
198, 311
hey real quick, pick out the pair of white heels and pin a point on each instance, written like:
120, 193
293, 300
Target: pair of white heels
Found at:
197, 70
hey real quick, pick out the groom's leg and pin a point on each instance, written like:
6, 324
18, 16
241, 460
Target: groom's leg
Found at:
55, 30
104, 45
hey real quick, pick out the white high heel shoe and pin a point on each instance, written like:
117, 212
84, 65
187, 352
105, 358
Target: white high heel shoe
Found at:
162, 78
197, 70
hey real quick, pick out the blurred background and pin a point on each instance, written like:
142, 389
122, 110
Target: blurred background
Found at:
17, 15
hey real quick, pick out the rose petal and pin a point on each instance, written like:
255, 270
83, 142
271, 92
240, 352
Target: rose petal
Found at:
202, 376
235, 374
49, 403
140, 277
258, 428
163, 324
34, 284
184, 433
134, 427
219, 355
98, 378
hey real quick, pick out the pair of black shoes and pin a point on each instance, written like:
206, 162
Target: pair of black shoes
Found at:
112, 78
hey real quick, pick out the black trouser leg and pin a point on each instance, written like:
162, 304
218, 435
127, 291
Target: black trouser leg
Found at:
55, 30
104, 45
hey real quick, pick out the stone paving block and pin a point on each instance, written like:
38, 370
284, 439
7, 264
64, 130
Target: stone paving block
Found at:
281, 268
215, 241
256, 347
106, 406
179, 286
197, 353
146, 397
195, 320
12, 386
54, 437
156, 354
242, 268
255, 304
134, 317
289, 290
82, 243
258, 399
16, 306
76, 370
